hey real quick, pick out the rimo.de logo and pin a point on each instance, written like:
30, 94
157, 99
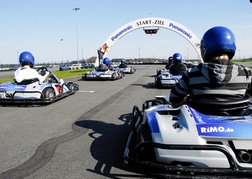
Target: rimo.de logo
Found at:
214, 129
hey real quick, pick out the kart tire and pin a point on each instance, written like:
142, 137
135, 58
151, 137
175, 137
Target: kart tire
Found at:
71, 86
48, 93
158, 83
84, 77
113, 76
144, 134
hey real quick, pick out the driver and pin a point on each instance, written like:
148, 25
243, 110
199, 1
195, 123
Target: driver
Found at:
26, 71
177, 68
167, 66
217, 78
123, 64
105, 66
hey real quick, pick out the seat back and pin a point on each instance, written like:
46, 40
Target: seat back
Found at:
28, 81
230, 107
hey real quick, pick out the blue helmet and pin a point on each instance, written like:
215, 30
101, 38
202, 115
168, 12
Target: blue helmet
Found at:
106, 61
26, 58
217, 41
177, 57
123, 61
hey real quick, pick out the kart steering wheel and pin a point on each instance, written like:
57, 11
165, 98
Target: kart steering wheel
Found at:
42, 70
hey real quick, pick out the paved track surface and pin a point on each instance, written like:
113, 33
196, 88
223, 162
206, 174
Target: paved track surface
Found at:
81, 136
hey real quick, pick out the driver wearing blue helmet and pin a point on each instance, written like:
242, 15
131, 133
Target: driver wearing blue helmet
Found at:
217, 78
177, 68
105, 65
123, 64
26, 71
167, 66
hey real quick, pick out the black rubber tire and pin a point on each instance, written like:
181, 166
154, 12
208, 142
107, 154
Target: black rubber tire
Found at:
84, 77
144, 134
113, 76
71, 86
158, 83
48, 93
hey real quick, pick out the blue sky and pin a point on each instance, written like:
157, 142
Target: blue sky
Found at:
38, 26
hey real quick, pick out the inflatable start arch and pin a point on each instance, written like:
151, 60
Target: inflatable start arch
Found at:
147, 22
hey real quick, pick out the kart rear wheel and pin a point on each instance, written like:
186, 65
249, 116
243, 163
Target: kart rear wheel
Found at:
158, 83
71, 86
113, 76
144, 134
84, 77
48, 93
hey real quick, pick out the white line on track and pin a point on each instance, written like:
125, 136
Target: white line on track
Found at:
86, 91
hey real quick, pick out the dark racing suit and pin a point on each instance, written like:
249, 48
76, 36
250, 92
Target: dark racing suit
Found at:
167, 66
123, 65
177, 68
102, 67
220, 80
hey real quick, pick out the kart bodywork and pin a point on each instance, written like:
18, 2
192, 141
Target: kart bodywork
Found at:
31, 92
191, 140
103, 75
165, 79
128, 70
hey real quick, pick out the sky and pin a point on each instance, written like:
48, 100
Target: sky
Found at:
51, 30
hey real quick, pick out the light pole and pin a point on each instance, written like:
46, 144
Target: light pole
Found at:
17, 58
139, 53
62, 56
76, 9
187, 56
82, 54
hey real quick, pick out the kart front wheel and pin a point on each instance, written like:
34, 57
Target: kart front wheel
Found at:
48, 93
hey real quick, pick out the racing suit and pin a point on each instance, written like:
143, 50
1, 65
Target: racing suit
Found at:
177, 68
167, 66
28, 73
122, 65
102, 67
218, 80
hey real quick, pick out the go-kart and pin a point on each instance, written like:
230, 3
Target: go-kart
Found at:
198, 139
31, 92
164, 79
128, 70
103, 75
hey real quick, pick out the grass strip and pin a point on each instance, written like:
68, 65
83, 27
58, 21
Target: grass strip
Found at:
60, 74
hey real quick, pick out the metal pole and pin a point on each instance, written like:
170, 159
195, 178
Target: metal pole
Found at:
187, 56
62, 50
81, 54
76, 9
139, 53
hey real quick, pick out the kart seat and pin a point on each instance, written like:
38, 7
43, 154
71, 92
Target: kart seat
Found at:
214, 107
27, 81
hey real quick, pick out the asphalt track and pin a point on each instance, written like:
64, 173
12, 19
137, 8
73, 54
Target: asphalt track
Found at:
81, 136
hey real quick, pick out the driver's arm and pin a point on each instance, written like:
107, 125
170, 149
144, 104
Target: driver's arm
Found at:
42, 78
180, 90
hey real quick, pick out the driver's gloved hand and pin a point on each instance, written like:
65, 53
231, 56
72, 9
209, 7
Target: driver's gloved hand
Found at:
47, 73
